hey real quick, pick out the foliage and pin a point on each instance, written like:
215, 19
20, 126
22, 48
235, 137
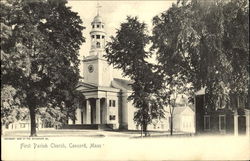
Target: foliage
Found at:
207, 44
52, 117
40, 56
127, 51
11, 110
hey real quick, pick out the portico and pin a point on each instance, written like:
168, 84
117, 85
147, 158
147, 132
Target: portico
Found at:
100, 105
91, 111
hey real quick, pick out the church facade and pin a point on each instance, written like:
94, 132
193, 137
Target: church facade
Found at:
105, 100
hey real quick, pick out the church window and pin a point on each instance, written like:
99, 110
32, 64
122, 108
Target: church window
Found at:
103, 37
97, 26
93, 36
111, 117
98, 45
110, 103
102, 26
93, 26
98, 36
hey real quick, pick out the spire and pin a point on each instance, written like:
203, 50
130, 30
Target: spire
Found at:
98, 8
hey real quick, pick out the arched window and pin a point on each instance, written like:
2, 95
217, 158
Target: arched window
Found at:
98, 45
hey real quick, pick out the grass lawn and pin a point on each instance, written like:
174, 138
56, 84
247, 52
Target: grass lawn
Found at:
88, 133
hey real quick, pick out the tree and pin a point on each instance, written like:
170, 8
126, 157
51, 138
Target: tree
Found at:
172, 87
207, 43
11, 110
236, 45
127, 52
40, 58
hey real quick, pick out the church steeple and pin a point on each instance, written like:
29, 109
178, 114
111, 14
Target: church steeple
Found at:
96, 69
98, 35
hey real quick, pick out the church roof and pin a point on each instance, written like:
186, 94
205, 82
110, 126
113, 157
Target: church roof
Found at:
122, 84
83, 86
181, 109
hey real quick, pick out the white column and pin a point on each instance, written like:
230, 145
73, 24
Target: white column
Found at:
98, 111
247, 112
107, 111
88, 112
125, 111
236, 124
78, 116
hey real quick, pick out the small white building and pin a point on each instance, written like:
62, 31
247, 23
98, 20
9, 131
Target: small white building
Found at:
19, 125
184, 119
23, 125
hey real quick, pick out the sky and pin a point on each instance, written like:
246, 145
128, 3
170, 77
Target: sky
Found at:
113, 14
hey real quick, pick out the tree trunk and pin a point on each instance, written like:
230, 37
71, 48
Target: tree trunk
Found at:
145, 129
141, 130
32, 121
171, 125
2, 129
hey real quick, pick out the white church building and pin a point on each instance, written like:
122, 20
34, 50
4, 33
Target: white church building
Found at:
105, 97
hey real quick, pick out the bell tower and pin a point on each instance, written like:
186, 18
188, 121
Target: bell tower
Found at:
98, 35
96, 68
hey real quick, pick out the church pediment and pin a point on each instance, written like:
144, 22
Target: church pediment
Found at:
82, 86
